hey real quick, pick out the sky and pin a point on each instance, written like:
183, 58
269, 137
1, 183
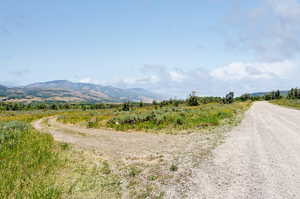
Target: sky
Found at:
171, 47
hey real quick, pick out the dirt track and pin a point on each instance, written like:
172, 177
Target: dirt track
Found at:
260, 158
121, 145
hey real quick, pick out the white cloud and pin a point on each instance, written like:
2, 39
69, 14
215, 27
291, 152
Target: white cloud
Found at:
88, 80
177, 76
270, 31
263, 70
240, 77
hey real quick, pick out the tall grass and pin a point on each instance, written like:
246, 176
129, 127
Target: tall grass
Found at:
33, 165
293, 103
27, 162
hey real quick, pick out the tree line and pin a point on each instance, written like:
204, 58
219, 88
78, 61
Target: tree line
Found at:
192, 100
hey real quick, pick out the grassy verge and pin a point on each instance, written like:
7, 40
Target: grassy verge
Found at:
28, 161
169, 119
293, 103
33, 165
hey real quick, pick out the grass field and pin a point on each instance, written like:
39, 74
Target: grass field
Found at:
33, 165
169, 119
293, 103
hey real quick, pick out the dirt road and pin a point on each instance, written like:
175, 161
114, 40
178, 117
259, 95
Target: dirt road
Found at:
259, 159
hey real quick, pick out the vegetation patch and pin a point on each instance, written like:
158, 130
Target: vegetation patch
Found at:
293, 103
168, 119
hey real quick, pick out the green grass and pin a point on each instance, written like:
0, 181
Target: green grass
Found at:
293, 103
33, 165
168, 119
27, 162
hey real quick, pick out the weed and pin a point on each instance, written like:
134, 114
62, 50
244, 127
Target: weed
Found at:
133, 171
152, 178
64, 146
173, 168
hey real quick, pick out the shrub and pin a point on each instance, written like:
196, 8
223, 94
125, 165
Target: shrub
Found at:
173, 168
179, 121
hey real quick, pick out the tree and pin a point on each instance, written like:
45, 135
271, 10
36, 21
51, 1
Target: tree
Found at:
141, 104
192, 101
229, 98
268, 97
154, 102
54, 106
126, 107
245, 97
294, 93
277, 94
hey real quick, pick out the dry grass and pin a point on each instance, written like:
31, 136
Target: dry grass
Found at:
293, 103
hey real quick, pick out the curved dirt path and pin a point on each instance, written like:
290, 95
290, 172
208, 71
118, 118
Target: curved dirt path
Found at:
259, 159
121, 145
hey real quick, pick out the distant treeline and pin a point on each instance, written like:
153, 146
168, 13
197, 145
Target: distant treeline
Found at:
293, 93
192, 100
16, 106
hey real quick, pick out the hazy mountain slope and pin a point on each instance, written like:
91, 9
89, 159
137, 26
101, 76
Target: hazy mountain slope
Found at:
260, 94
3, 90
62, 90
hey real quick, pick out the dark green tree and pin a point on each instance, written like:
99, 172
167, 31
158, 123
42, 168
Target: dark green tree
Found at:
192, 101
229, 98
126, 106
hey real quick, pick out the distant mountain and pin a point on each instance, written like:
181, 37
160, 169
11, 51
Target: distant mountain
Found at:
62, 90
260, 94
3, 90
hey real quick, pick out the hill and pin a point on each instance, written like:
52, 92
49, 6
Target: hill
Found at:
260, 94
62, 90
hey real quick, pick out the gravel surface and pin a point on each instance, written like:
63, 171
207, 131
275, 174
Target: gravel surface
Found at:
259, 159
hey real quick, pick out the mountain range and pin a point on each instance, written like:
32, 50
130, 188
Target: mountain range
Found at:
67, 91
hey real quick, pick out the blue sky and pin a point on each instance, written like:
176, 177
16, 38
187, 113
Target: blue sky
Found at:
166, 46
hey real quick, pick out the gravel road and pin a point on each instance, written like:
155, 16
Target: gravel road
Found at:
259, 159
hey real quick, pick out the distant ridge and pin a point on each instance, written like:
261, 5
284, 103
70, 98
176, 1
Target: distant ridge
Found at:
260, 94
67, 91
